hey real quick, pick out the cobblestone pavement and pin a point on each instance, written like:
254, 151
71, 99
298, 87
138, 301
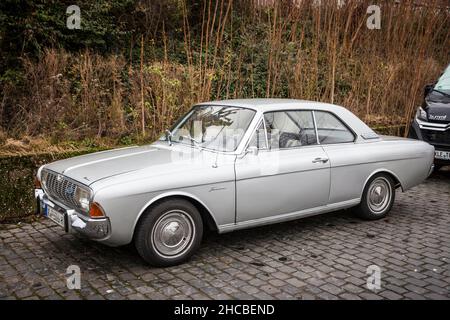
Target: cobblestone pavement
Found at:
322, 257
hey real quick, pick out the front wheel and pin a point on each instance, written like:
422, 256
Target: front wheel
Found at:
169, 233
378, 198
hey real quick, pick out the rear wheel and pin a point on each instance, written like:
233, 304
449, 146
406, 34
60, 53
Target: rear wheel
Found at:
169, 233
378, 198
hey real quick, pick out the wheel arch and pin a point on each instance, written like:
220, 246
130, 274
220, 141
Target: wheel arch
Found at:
397, 181
208, 219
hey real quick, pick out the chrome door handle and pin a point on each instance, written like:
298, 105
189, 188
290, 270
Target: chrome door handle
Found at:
323, 160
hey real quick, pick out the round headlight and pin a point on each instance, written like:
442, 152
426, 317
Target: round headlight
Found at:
43, 177
83, 197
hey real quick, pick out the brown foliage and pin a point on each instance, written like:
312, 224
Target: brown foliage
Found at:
286, 49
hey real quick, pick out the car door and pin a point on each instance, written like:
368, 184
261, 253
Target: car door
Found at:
287, 170
350, 163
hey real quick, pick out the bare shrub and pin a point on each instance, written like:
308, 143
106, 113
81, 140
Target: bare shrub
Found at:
170, 89
294, 49
99, 95
46, 100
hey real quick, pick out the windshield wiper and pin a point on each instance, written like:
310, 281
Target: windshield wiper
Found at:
441, 92
191, 139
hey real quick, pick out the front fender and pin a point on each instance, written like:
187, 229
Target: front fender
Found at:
124, 209
171, 194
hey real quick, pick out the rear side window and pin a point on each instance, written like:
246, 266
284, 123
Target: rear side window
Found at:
331, 130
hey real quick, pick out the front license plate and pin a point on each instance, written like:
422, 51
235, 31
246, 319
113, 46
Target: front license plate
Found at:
443, 155
55, 216
44, 208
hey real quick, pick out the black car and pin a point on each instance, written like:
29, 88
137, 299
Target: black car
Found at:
432, 120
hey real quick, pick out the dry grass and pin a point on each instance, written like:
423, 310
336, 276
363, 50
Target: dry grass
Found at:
322, 53
32, 145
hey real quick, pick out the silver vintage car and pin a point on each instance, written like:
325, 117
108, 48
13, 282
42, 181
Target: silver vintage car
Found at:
229, 165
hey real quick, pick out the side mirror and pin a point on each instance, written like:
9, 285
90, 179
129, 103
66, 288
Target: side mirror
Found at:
428, 89
168, 134
253, 150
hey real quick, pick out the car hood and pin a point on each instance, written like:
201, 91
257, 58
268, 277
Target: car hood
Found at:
90, 168
438, 111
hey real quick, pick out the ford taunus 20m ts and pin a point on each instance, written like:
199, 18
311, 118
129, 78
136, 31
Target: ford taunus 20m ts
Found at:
432, 120
229, 165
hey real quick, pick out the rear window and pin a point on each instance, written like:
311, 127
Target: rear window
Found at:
332, 130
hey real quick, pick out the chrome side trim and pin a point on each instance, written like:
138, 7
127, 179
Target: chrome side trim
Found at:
288, 216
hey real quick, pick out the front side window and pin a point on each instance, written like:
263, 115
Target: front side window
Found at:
290, 129
331, 130
219, 128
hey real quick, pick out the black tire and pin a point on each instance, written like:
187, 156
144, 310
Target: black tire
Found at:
162, 224
368, 209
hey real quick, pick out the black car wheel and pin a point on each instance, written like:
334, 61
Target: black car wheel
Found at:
378, 197
169, 233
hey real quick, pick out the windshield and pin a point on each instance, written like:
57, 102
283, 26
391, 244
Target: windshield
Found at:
441, 89
443, 83
218, 128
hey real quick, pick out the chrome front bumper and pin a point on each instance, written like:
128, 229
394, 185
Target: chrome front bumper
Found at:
74, 222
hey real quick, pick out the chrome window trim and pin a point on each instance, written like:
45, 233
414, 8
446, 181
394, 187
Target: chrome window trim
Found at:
265, 132
315, 130
261, 119
341, 121
293, 110
257, 120
315, 126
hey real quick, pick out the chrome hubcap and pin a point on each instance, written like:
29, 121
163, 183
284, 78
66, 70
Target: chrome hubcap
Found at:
172, 234
379, 195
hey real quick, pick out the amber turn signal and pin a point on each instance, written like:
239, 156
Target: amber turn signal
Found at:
96, 211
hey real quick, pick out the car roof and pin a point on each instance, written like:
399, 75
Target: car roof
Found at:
269, 104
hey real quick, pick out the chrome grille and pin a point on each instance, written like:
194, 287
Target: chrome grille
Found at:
61, 189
